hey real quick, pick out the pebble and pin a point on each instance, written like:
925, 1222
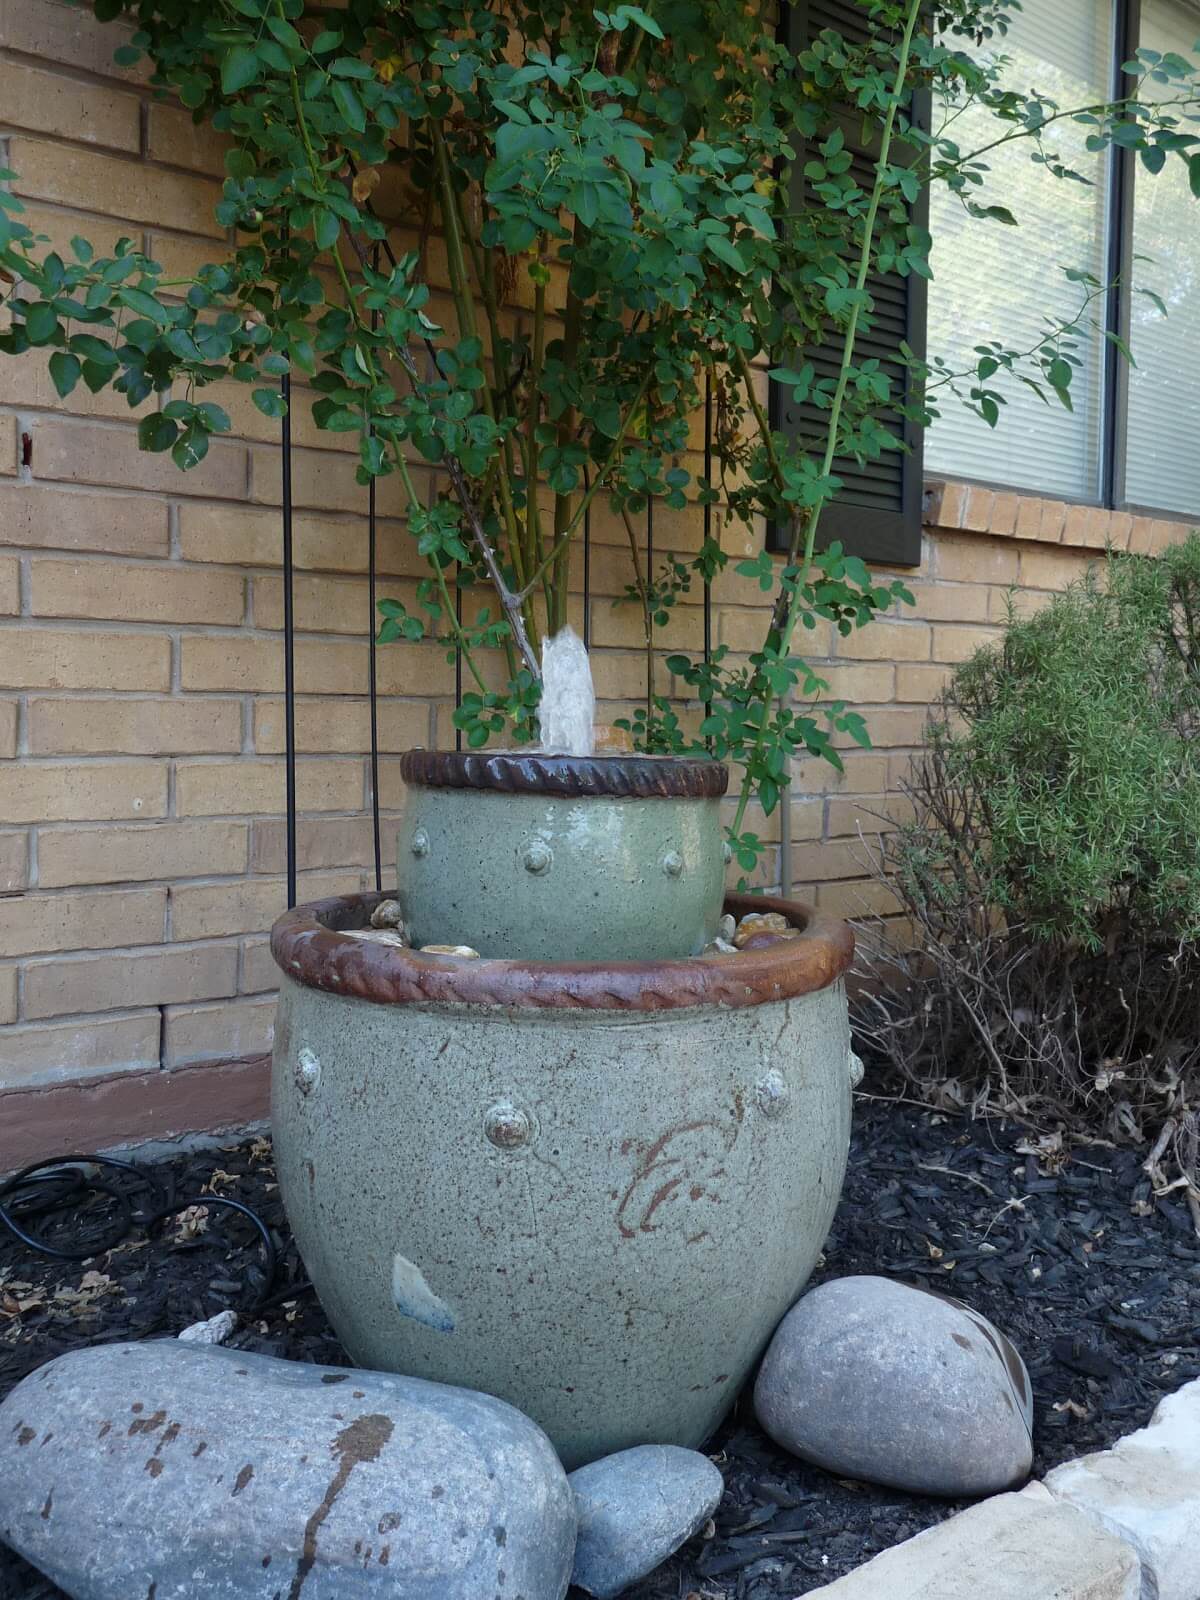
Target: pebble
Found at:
176, 1470
760, 922
772, 936
720, 947
635, 1509
727, 927
378, 936
462, 951
873, 1379
387, 914
214, 1331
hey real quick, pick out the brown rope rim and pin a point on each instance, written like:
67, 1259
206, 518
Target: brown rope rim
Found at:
615, 777
309, 946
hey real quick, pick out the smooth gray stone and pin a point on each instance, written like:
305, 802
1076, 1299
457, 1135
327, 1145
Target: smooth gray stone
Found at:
901, 1386
168, 1471
635, 1509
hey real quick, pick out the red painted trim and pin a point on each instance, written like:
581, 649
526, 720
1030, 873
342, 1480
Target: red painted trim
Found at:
103, 1112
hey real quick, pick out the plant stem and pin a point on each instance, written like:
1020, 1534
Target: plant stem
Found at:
784, 616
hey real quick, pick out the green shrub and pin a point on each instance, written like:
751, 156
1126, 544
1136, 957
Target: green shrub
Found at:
1051, 872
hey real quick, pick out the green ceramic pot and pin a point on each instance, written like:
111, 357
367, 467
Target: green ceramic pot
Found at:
589, 1188
556, 858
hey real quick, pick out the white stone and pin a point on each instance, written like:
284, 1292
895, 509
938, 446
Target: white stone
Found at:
1147, 1488
215, 1331
1013, 1547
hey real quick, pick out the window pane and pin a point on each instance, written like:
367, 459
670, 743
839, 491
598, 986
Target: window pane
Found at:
1162, 468
993, 282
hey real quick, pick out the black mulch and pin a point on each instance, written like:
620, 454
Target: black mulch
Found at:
1096, 1280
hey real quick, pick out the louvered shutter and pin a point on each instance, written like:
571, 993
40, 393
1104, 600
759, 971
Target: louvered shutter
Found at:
878, 513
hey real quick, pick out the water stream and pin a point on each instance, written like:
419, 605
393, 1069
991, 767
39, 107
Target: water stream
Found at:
567, 714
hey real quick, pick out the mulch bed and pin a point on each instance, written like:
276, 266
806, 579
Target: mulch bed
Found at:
1096, 1281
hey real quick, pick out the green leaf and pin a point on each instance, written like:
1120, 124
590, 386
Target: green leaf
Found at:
724, 250
350, 106
643, 20
270, 402
65, 370
41, 322
156, 433
239, 69
326, 228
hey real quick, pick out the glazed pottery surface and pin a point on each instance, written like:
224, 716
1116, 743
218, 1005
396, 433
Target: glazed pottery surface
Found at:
610, 858
590, 1190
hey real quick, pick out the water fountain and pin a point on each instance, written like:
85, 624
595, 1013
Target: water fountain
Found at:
586, 1162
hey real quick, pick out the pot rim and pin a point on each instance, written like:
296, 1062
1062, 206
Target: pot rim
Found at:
614, 777
310, 947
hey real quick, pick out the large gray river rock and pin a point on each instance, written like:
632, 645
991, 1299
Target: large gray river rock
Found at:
874, 1379
167, 1471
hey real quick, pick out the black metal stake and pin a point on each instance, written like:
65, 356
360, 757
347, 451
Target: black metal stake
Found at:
289, 639
372, 673
708, 460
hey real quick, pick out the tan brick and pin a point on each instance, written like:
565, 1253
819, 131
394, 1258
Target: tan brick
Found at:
1139, 536
957, 644
621, 625
1075, 529
392, 788
234, 788
1054, 521
856, 898
14, 861
67, 35
8, 728
71, 176
863, 772
324, 605
922, 684
1050, 568
61, 226
86, 1047
1004, 603
250, 537
850, 815
1120, 527
890, 726
172, 137
324, 842
887, 641
977, 510
46, 102
950, 602
140, 854
209, 911
62, 726
62, 985
225, 1032
1028, 524
1003, 519
127, 592
871, 682
232, 661
324, 480
8, 446
830, 860
31, 923
946, 506
37, 517
326, 725
8, 994
10, 586
1153, 537
58, 791
808, 819
259, 972
93, 452
969, 558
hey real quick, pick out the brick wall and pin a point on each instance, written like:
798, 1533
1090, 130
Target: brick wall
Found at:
141, 665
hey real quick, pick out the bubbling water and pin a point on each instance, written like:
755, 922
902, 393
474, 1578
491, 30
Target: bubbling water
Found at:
567, 713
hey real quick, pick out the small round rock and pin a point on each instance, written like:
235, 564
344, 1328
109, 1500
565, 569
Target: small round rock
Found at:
760, 922
635, 1509
378, 936
387, 914
462, 952
874, 1379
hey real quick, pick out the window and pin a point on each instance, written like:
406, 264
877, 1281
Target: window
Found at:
1133, 438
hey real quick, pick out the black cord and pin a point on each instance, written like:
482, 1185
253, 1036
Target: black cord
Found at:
46, 1187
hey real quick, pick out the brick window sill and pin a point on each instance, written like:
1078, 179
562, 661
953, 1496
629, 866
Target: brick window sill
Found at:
973, 508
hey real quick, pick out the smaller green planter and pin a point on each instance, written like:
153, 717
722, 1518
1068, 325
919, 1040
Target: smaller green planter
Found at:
551, 858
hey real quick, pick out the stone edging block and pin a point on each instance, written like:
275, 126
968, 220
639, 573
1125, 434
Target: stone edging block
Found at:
1123, 1524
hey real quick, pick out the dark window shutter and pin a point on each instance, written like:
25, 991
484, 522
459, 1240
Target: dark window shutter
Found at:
878, 514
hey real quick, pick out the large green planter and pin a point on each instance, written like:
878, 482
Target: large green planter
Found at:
591, 1189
